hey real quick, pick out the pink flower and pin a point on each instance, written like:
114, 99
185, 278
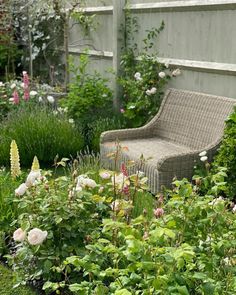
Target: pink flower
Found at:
16, 98
125, 189
122, 110
26, 94
158, 212
124, 170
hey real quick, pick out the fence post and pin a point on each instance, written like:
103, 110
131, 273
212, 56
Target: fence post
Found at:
118, 42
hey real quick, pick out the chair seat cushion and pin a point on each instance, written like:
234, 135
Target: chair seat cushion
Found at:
156, 148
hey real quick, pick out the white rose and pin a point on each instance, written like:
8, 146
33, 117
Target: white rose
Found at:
24, 73
137, 76
167, 65
204, 159
89, 183
13, 85
21, 189
234, 209
71, 121
162, 75
153, 90
50, 99
32, 177
33, 93
176, 73
36, 236
148, 92
104, 175
19, 235
202, 154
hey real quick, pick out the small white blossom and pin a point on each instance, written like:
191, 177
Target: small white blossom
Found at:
13, 85
176, 73
151, 91
40, 99
202, 154
19, 235
140, 174
24, 73
162, 75
204, 159
50, 99
33, 93
32, 177
20, 191
234, 209
216, 201
36, 236
71, 121
83, 181
1, 84
167, 65
137, 76
22, 85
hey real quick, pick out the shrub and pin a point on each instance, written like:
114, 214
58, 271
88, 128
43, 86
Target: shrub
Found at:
38, 131
88, 95
187, 248
226, 156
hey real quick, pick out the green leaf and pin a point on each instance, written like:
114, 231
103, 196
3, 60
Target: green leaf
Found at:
123, 292
183, 290
208, 289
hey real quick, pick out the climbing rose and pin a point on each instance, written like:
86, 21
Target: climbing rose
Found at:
176, 73
36, 236
19, 235
162, 75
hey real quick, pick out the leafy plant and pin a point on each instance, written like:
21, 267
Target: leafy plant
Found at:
143, 77
88, 95
38, 131
226, 156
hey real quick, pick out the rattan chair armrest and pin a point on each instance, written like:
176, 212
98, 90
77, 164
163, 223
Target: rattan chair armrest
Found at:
184, 161
122, 134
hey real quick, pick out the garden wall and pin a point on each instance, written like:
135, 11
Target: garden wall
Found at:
199, 37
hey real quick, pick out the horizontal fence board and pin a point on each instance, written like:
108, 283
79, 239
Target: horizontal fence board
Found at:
184, 5
203, 66
97, 10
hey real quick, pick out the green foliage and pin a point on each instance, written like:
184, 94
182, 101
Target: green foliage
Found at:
88, 96
143, 77
187, 249
7, 284
38, 131
226, 156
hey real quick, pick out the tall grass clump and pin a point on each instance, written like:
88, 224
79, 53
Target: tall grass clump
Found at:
38, 131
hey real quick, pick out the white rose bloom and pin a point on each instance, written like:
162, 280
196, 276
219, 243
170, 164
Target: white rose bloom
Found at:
71, 121
13, 85
148, 92
50, 99
162, 75
33, 93
19, 235
137, 76
176, 73
153, 90
202, 154
21, 189
204, 159
32, 177
89, 183
104, 175
36, 236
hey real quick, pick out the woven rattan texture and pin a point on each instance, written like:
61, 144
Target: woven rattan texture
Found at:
186, 124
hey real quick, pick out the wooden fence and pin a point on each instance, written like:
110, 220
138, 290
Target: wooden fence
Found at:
199, 37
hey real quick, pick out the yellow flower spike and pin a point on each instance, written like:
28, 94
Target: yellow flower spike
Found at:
15, 160
35, 164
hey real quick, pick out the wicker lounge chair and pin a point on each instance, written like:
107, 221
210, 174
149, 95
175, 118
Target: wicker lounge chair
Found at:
186, 124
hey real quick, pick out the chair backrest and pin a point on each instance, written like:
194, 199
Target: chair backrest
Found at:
192, 119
